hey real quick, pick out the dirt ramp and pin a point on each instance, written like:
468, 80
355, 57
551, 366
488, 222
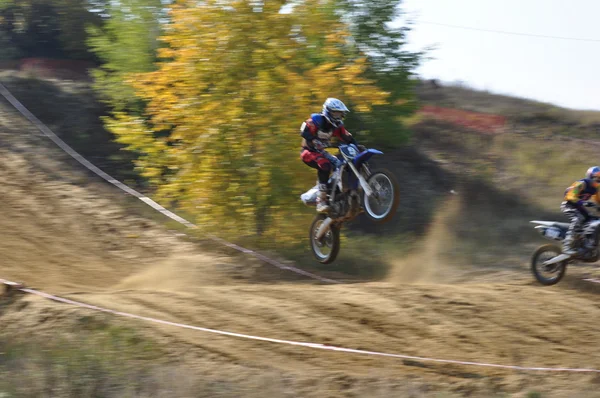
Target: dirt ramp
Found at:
64, 229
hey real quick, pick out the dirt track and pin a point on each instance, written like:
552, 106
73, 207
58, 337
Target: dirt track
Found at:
67, 232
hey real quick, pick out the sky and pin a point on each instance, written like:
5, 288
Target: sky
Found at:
558, 71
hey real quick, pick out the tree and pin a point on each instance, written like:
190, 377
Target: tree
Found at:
126, 44
47, 28
374, 25
74, 18
220, 132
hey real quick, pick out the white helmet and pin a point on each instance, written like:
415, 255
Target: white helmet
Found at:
332, 105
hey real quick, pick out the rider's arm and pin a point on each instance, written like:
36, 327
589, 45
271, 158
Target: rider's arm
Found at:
308, 131
344, 135
573, 193
572, 196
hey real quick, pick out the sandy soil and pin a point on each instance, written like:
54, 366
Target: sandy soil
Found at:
66, 232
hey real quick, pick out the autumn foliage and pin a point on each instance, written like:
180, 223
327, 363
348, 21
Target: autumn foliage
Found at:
220, 134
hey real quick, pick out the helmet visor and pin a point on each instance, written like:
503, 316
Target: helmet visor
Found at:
337, 115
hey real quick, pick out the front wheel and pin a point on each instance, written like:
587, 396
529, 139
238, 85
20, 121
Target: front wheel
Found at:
327, 248
381, 206
547, 274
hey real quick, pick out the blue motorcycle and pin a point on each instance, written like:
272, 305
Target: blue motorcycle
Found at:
352, 189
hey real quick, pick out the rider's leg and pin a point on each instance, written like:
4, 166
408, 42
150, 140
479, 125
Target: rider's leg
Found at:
323, 175
334, 161
323, 166
575, 228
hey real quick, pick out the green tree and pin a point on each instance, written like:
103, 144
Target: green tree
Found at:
220, 132
74, 18
377, 31
49, 28
125, 44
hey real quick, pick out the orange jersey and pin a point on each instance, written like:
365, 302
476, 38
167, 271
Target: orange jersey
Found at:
582, 190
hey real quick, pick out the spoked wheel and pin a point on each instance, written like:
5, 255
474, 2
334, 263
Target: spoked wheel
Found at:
381, 206
327, 248
547, 274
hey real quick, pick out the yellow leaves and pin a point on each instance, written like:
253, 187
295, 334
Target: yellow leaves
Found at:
337, 37
324, 68
225, 106
165, 52
264, 178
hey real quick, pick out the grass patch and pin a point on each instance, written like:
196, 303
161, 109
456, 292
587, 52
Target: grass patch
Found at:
95, 359
535, 170
533, 394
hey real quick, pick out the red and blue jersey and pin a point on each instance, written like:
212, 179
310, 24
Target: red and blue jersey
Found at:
318, 130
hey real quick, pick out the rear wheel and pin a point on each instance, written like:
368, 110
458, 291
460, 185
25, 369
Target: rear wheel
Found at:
327, 248
381, 206
547, 274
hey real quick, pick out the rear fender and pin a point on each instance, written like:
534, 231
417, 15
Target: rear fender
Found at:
546, 223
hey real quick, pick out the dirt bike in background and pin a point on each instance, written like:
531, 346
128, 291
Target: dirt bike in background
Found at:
352, 189
549, 264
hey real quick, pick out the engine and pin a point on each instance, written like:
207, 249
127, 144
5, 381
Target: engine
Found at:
346, 206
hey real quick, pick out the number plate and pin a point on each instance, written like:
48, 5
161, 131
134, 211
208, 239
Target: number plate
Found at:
552, 233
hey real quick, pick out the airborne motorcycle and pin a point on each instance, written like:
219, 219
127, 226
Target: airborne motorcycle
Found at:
549, 264
352, 189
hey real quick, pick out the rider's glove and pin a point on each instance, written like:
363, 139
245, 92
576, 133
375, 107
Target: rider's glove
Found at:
361, 148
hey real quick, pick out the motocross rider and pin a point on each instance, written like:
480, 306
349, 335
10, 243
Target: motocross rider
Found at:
575, 198
316, 133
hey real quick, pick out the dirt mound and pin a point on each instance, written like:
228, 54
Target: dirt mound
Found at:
65, 228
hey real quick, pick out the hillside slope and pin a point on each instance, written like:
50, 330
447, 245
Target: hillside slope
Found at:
66, 232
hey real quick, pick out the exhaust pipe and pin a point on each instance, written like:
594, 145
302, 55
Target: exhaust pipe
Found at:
324, 227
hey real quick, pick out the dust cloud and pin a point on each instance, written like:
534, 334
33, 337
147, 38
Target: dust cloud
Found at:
429, 261
183, 272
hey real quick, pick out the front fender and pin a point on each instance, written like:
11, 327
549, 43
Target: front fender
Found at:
365, 156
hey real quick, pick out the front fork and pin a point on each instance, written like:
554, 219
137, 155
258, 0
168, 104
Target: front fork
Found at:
367, 171
367, 174
361, 178
363, 182
324, 228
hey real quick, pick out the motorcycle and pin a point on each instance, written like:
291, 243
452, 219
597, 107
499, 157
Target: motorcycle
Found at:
352, 189
549, 263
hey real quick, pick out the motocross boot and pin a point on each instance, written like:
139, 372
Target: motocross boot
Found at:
567, 245
322, 205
